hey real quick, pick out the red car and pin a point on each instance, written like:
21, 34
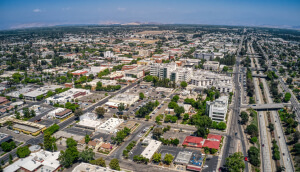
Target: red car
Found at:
246, 158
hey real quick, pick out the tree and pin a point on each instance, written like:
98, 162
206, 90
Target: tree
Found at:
100, 111
172, 105
23, 152
183, 84
87, 139
175, 98
245, 117
49, 142
71, 142
296, 148
142, 96
253, 140
287, 97
168, 158
8, 146
252, 130
254, 155
156, 157
99, 161
179, 110
114, 164
87, 155
147, 117
121, 107
235, 162
289, 80
78, 112
296, 136
202, 132
221, 126
213, 151
225, 68
21, 96
157, 132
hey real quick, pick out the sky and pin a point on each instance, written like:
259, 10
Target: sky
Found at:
34, 13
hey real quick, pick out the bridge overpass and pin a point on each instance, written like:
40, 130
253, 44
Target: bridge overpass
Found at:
259, 75
264, 107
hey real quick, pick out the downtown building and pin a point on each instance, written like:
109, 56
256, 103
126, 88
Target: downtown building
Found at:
217, 109
171, 71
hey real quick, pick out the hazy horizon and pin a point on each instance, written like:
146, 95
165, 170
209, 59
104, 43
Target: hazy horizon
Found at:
34, 13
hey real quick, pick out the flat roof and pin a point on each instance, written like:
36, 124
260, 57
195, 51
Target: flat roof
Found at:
151, 148
183, 157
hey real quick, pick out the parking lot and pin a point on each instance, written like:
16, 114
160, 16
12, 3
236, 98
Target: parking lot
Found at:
210, 164
19, 136
176, 134
78, 131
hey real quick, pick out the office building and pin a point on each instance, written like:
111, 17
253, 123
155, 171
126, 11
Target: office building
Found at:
217, 109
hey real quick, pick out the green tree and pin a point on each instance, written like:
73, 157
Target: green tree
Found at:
175, 98
245, 117
87, 139
213, 151
296, 136
172, 105
78, 113
252, 130
287, 97
235, 162
183, 84
121, 107
254, 155
179, 110
142, 96
168, 159
296, 148
114, 164
99, 161
100, 111
49, 142
253, 140
23, 152
156, 157
157, 132
87, 155
221, 126
71, 142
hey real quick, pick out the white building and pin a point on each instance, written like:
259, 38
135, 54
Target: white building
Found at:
127, 99
110, 125
38, 161
217, 109
162, 70
207, 79
108, 54
89, 120
151, 149
86, 167
67, 96
181, 74
211, 65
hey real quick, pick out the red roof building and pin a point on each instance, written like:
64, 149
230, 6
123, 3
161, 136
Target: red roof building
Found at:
212, 141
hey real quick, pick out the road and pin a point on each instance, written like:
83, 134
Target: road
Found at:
278, 128
230, 145
266, 153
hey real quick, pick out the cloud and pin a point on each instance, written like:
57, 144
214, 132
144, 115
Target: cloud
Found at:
37, 10
121, 9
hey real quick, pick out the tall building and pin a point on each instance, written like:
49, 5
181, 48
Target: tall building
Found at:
162, 70
181, 74
217, 109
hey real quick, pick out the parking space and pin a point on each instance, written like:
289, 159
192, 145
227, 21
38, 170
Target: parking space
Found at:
176, 134
211, 163
18, 136
78, 131
137, 150
105, 137
48, 122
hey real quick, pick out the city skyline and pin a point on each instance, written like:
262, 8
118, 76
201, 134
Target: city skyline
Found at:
22, 14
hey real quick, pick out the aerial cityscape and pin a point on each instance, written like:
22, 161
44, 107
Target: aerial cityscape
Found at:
149, 86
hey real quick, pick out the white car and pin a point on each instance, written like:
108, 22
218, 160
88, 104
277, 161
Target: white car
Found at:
16, 131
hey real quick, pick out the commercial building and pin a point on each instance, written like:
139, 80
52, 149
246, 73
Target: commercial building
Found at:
207, 79
89, 121
67, 96
127, 99
183, 157
3, 100
162, 70
204, 56
181, 74
212, 141
32, 95
38, 161
79, 72
63, 114
110, 126
217, 109
82, 167
151, 149
24, 126
211, 65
